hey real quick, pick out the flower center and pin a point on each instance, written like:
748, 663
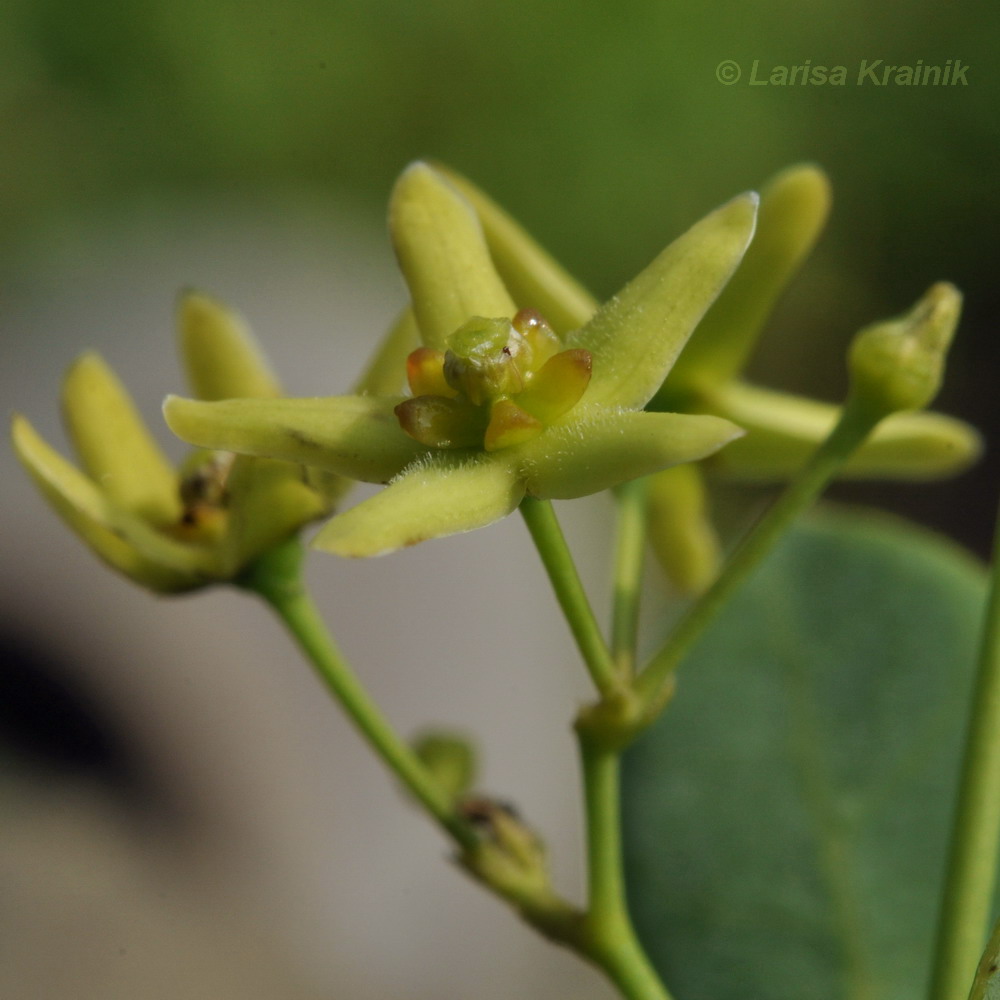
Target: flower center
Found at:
499, 383
204, 496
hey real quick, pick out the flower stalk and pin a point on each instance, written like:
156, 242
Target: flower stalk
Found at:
277, 578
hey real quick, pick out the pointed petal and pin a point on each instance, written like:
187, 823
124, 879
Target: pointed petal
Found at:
268, 501
533, 277
783, 430
438, 496
115, 447
443, 255
680, 528
124, 541
636, 336
794, 206
221, 356
585, 456
386, 372
355, 436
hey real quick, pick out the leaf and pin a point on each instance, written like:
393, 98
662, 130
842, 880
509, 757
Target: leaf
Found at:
786, 820
987, 983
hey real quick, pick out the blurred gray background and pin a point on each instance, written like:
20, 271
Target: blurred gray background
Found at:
184, 814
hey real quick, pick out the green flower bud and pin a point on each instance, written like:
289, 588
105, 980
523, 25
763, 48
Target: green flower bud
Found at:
451, 760
899, 364
484, 360
510, 857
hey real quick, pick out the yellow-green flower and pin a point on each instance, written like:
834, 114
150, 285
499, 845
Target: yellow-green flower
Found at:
503, 405
782, 429
171, 529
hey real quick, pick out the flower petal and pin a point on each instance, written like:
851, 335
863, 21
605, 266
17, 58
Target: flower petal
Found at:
443, 255
680, 528
268, 501
636, 336
124, 541
585, 456
220, 354
783, 430
115, 447
793, 209
437, 496
356, 436
533, 277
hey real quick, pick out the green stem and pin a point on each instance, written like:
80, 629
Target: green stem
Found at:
277, 579
610, 938
551, 544
631, 549
854, 426
972, 863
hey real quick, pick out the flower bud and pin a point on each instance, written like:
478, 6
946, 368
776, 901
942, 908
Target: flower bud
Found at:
898, 364
451, 760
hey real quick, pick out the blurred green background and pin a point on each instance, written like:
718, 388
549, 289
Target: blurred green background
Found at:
602, 126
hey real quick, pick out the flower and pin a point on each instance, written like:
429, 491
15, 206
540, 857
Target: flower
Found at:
782, 429
169, 529
502, 406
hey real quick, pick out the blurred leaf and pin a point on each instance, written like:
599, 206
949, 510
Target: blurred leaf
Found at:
786, 820
987, 984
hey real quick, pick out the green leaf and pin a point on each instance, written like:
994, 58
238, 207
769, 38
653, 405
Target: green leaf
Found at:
787, 818
987, 982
